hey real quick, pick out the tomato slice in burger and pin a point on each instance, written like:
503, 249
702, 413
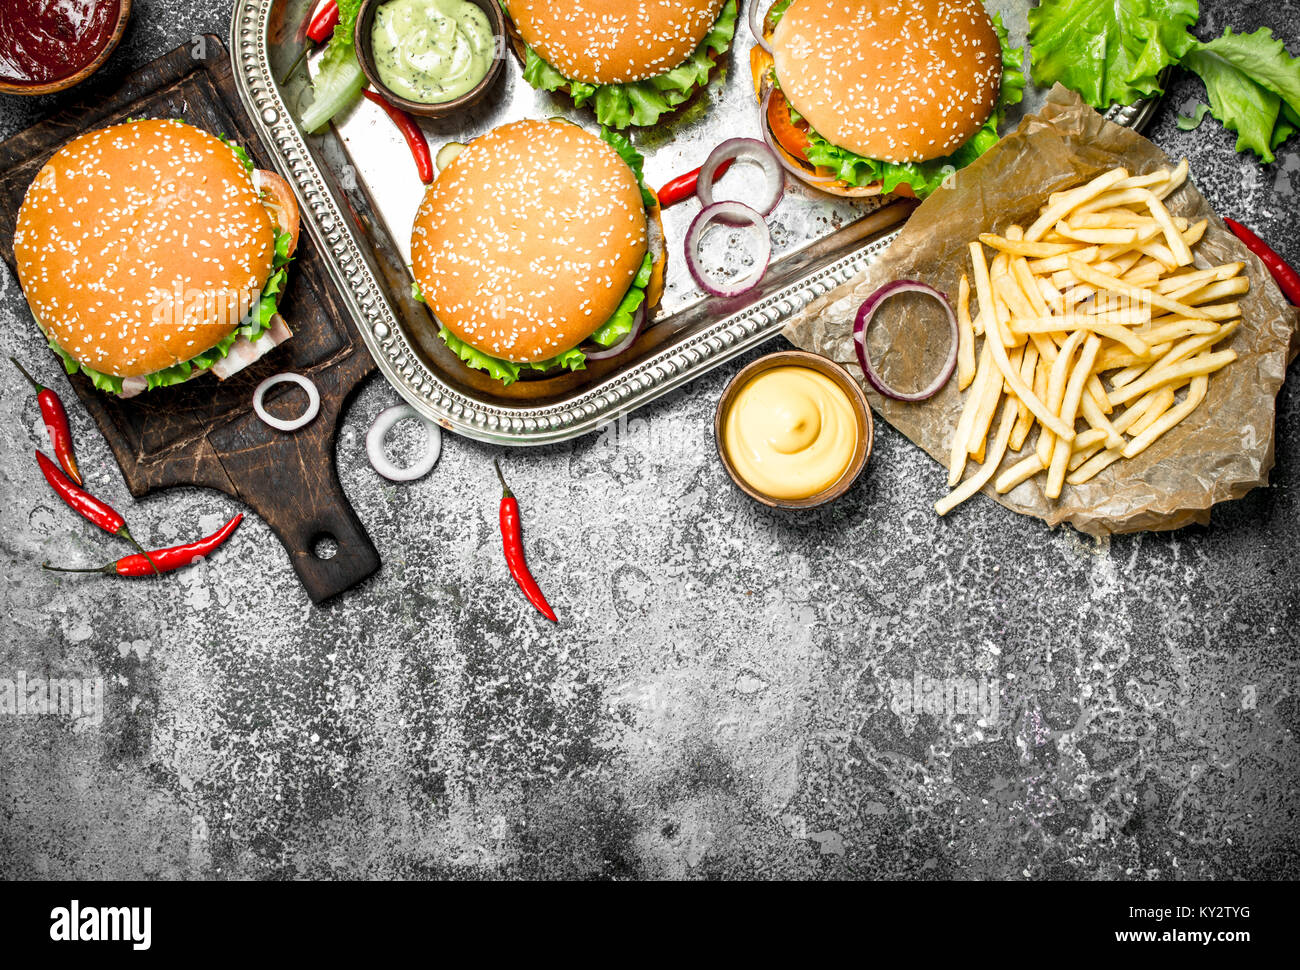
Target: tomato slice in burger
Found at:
788, 135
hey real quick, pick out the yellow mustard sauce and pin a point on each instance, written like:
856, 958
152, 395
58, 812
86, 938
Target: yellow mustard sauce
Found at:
790, 432
432, 51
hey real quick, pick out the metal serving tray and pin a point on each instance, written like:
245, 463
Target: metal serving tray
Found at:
359, 194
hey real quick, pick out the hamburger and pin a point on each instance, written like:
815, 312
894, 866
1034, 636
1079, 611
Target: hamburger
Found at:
537, 240
632, 62
152, 252
873, 96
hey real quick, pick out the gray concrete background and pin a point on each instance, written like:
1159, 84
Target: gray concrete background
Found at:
725, 695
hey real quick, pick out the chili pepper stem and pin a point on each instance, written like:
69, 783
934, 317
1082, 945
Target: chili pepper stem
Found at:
106, 570
293, 68
23, 370
125, 534
505, 489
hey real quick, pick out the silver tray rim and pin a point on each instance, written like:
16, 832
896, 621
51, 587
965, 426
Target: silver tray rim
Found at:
363, 295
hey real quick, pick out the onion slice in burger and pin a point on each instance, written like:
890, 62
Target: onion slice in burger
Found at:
862, 328
605, 353
732, 214
757, 21
743, 150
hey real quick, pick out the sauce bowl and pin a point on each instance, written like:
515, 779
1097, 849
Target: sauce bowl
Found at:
63, 83
857, 400
364, 42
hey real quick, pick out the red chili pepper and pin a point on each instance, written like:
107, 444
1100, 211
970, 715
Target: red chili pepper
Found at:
167, 560
1288, 280
91, 509
321, 24
56, 424
683, 187
413, 134
513, 540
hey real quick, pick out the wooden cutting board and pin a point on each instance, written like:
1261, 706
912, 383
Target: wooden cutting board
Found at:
204, 432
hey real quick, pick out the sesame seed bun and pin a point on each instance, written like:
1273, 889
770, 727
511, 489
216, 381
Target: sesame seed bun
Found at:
529, 240
899, 82
139, 245
614, 41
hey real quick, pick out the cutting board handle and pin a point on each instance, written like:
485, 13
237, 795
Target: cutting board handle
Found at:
289, 479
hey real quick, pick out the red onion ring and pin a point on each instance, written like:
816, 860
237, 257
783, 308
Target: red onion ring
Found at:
862, 325
798, 171
743, 149
757, 21
604, 353
734, 214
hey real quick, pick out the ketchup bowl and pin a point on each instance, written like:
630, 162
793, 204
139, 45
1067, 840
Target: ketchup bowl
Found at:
49, 47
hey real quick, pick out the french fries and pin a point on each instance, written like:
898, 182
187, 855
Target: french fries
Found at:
1097, 329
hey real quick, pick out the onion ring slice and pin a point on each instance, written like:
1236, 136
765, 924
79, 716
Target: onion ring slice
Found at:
279, 424
862, 326
740, 150
734, 214
757, 21
379, 431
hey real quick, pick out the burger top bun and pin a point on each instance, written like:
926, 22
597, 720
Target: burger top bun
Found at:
899, 82
614, 41
529, 240
142, 245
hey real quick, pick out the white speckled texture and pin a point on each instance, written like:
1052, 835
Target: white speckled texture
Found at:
725, 693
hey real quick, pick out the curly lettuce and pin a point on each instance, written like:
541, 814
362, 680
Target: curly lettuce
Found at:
926, 177
340, 80
1253, 86
639, 103
618, 326
1109, 51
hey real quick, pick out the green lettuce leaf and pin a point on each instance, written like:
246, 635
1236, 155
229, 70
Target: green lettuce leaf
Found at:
1253, 86
507, 371
634, 159
639, 103
239, 151
777, 11
926, 177
340, 80
620, 324
1110, 51
1192, 121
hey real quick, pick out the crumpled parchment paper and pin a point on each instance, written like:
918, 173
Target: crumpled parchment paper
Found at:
1219, 452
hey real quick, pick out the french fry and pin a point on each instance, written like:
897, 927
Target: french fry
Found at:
1198, 366
957, 455
1069, 409
977, 481
1036, 250
965, 336
1022, 391
1071, 200
1087, 274
1195, 395
1173, 238
1024, 417
983, 286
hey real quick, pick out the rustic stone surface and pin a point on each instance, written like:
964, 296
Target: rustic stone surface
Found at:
729, 692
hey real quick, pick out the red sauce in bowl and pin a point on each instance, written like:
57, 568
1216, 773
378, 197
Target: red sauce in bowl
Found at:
47, 40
